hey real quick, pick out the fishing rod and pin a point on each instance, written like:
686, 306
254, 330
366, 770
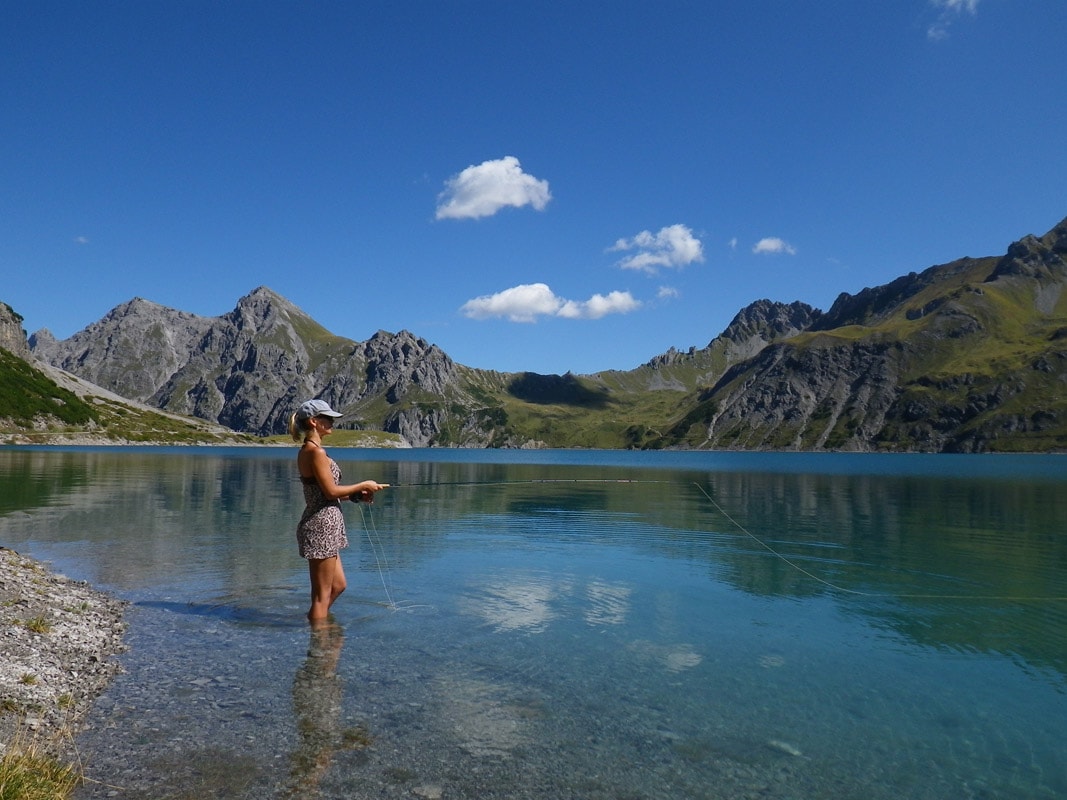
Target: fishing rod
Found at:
522, 481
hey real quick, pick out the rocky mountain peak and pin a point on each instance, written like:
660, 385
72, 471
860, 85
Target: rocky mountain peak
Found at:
43, 338
397, 361
404, 347
672, 356
1033, 257
260, 309
247, 368
129, 351
770, 320
138, 307
763, 322
12, 336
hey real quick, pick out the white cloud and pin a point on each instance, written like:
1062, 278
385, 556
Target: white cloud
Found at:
949, 11
674, 246
772, 245
599, 305
484, 189
522, 303
81, 240
527, 302
956, 6
667, 292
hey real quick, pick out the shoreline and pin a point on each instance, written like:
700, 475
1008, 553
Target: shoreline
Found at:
65, 439
59, 645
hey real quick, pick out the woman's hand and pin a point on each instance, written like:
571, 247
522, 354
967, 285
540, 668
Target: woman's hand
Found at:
365, 494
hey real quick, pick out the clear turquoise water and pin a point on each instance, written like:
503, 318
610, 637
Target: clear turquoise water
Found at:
571, 624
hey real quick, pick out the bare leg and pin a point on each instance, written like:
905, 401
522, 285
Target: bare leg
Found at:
327, 583
340, 583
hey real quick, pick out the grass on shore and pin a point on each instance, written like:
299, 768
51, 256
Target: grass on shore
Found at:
28, 773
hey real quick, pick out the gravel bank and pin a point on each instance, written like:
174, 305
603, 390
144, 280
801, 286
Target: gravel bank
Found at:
58, 642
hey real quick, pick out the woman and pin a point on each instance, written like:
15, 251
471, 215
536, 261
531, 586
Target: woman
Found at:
321, 532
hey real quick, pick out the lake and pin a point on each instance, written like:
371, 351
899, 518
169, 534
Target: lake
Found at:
570, 624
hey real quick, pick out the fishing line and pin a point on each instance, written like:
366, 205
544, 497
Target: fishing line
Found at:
375, 546
859, 592
375, 543
378, 548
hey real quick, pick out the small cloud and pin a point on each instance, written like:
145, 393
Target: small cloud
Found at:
732, 243
81, 240
599, 305
667, 293
949, 11
527, 302
484, 189
772, 245
674, 246
519, 304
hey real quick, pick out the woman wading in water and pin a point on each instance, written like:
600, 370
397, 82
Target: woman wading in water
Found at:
321, 534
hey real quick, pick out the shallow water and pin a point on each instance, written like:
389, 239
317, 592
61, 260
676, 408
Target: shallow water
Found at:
571, 625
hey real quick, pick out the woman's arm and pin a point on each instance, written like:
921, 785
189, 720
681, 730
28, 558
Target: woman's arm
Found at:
320, 469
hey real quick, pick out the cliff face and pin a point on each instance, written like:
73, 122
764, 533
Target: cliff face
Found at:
12, 336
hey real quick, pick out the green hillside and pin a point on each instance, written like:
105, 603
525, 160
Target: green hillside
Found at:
968, 356
35, 409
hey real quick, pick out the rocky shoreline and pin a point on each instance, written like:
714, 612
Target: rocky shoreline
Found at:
59, 642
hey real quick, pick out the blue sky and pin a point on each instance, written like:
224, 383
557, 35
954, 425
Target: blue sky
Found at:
530, 185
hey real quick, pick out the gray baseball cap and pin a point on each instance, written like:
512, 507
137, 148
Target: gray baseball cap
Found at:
316, 408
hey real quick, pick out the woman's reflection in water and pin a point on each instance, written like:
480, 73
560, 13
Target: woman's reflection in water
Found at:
317, 699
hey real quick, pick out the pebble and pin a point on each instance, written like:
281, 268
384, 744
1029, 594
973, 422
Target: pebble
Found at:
72, 661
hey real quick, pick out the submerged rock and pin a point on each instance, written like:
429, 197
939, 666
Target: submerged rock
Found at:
784, 747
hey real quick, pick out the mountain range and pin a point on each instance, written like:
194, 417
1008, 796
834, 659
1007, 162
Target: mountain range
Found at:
969, 356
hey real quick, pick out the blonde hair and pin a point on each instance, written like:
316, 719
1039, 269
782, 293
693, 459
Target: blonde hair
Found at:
298, 428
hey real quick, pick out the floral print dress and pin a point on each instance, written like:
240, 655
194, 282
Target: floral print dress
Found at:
321, 531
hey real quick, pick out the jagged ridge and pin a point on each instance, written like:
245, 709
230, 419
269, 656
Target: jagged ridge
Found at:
966, 356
